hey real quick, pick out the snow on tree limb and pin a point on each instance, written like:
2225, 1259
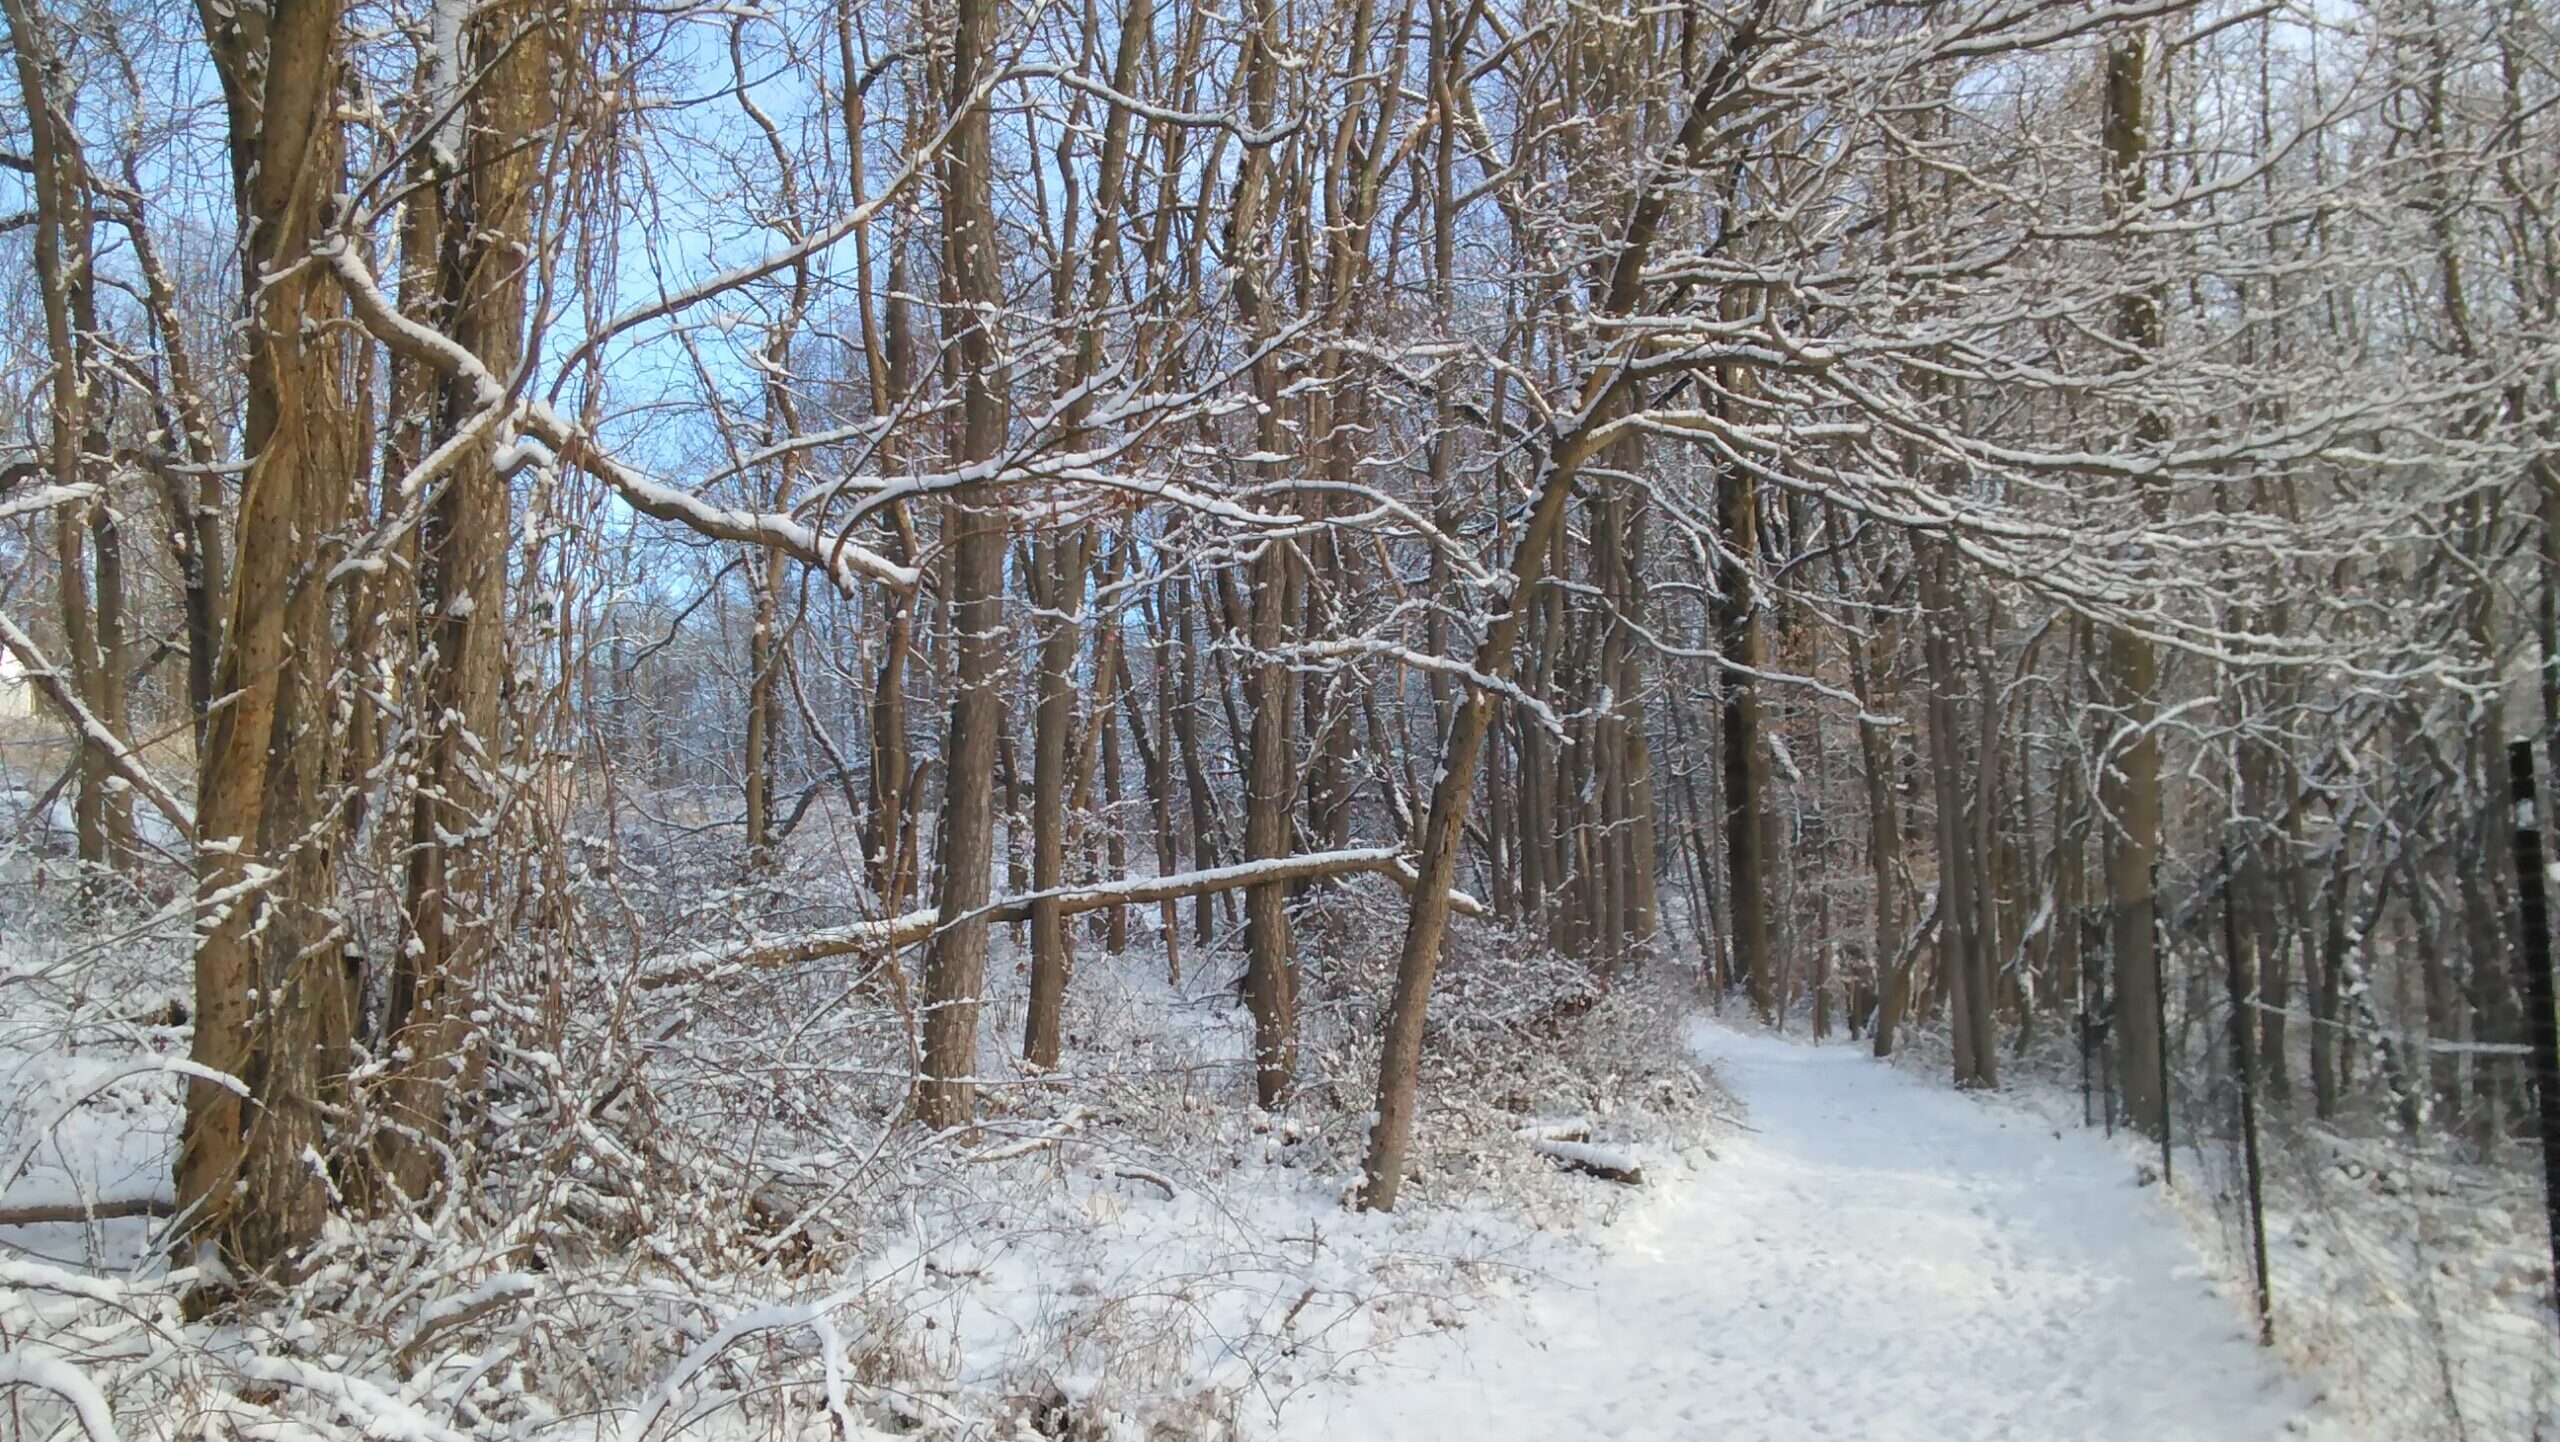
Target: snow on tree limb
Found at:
915, 926
53, 1374
57, 689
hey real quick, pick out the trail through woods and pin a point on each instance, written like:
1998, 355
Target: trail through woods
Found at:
1874, 1258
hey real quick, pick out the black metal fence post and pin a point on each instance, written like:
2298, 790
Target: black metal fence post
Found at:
2542, 1027
2160, 1035
2245, 1068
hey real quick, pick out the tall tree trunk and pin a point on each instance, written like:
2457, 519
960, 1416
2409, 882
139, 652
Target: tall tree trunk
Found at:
955, 966
889, 837
1270, 771
451, 910
1058, 566
1962, 944
1058, 577
92, 625
1740, 640
1641, 853
2129, 781
271, 993
1884, 840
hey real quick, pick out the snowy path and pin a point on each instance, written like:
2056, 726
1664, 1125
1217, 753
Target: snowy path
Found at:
1877, 1260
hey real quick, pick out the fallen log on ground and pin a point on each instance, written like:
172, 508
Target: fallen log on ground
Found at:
915, 926
1601, 1162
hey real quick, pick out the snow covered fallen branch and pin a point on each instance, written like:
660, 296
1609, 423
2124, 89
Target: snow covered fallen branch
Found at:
916, 926
376, 1411
1601, 1162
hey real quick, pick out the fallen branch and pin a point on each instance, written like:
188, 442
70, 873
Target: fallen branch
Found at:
915, 926
120, 1209
451, 1312
1148, 1175
1609, 1166
1567, 1130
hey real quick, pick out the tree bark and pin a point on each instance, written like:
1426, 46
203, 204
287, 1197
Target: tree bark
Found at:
264, 839
1959, 917
2129, 783
955, 966
1058, 566
462, 613
1746, 752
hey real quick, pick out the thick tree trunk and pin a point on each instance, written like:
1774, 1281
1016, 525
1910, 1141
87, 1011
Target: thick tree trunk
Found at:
272, 1006
451, 910
1270, 767
955, 967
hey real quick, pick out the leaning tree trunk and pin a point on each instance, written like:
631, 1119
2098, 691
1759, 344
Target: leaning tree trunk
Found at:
1453, 788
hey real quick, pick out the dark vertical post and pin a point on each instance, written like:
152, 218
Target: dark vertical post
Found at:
2168, 1078
2088, 1044
2541, 1026
2245, 1069
2102, 1011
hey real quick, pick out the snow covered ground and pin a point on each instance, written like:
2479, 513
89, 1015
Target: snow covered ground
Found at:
1873, 1257
1126, 1251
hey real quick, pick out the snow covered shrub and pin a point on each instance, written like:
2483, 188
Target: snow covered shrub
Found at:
699, 1204
1519, 1035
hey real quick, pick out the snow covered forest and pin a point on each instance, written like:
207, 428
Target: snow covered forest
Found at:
1005, 718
